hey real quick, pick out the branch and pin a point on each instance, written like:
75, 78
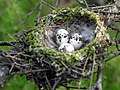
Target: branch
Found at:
98, 85
114, 28
92, 71
49, 5
86, 3
4, 43
101, 7
74, 87
55, 84
108, 59
49, 84
28, 15
39, 6
80, 2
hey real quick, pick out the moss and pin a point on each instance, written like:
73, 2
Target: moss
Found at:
36, 36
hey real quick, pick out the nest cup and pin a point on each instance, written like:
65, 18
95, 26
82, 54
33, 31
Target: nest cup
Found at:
43, 35
61, 66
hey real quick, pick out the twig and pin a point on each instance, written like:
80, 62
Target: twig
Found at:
28, 15
49, 85
49, 5
55, 84
117, 46
5, 43
3, 54
108, 59
75, 71
87, 76
101, 7
114, 28
86, 61
86, 4
98, 85
74, 87
11, 67
92, 72
21, 54
38, 70
11, 37
40, 7
57, 3
63, 64
80, 2
108, 12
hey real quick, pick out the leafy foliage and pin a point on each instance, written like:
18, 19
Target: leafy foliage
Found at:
19, 83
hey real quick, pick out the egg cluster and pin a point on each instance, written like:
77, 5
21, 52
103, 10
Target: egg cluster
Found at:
67, 42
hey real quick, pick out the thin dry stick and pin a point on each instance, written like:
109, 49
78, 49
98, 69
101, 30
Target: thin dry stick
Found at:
80, 2
4, 43
86, 3
49, 85
108, 59
11, 67
57, 3
55, 84
101, 7
83, 72
40, 7
74, 87
113, 27
11, 36
99, 78
52, 7
33, 10
92, 72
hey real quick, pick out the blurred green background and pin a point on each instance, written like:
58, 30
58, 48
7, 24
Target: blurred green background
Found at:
12, 15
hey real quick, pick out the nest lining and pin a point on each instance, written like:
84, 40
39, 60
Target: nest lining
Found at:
71, 26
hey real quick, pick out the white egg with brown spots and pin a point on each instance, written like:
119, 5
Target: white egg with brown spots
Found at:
76, 41
66, 47
62, 36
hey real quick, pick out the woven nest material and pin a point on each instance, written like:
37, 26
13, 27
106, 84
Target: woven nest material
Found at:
47, 66
65, 66
42, 38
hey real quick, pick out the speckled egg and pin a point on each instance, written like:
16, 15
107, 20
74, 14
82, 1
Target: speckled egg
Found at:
76, 40
62, 36
66, 47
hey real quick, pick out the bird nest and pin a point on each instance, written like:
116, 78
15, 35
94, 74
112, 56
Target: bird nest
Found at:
38, 55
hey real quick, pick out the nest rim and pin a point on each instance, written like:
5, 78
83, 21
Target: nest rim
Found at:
38, 47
